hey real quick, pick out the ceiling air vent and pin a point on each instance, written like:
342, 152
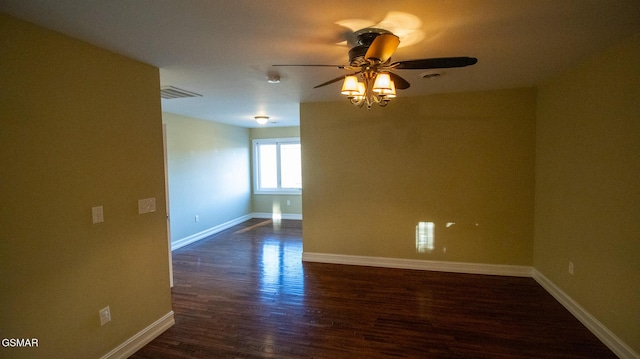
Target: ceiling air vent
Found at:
170, 92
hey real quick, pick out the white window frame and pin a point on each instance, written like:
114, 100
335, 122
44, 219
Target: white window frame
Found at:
256, 167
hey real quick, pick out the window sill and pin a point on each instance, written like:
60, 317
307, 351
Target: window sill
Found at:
279, 192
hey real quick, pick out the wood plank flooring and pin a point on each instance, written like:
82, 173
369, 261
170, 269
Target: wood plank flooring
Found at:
245, 293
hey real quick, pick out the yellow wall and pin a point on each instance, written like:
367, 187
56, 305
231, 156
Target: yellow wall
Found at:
79, 127
588, 187
276, 203
369, 177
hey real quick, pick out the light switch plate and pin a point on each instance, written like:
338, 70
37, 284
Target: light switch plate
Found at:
97, 213
105, 315
146, 205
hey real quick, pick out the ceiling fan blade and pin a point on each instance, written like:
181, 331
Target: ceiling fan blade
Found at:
316, 65
436, 63
401, 84
334, 80
382, 47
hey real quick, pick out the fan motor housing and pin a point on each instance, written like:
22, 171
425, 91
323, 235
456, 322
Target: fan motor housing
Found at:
356, 55
364, 39
368, 34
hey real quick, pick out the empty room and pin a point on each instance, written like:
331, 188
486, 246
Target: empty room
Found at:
297, 179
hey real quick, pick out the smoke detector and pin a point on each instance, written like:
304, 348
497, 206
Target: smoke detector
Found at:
273, 78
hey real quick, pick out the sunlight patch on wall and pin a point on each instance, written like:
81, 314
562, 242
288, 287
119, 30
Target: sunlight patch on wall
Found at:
276, 215
425, 237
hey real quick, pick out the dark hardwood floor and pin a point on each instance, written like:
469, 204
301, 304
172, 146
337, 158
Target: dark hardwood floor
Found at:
245, 293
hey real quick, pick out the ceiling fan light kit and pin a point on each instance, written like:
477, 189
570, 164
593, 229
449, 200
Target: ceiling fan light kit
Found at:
374, 81
376, 88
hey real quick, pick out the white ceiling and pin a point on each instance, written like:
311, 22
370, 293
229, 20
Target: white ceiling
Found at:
224, 49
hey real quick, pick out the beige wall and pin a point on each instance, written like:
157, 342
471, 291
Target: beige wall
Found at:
369, 177
588, 187
80, 127
267, 203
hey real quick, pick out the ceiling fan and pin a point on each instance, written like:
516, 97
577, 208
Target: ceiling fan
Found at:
373, 80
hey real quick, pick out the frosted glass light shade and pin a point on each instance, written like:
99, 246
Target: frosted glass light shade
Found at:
382, 83
350, 86
391, 93
261, 119
361, 91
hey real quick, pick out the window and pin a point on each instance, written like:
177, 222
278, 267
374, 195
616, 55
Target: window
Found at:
277, 165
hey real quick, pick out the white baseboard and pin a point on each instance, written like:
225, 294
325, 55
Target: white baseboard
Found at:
142, 338
221, 227
275, 216
208, 232
440, 266
614, 343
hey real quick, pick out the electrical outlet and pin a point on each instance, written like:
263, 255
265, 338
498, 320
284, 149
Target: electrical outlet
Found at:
570, 267
105, 315
197, 218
